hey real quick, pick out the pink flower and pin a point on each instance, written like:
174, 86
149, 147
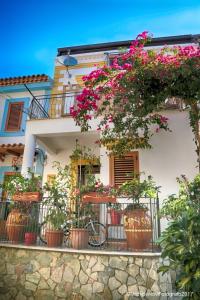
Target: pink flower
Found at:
143, 35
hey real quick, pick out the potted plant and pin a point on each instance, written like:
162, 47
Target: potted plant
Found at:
115, 213
96, 192
26, 189
17, 219
79, 234
137, 221
55, 218
56, 202
31, 232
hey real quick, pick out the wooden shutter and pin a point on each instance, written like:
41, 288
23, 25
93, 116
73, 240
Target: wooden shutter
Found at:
14, 116
122, 168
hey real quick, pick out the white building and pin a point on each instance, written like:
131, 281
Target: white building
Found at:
51, 126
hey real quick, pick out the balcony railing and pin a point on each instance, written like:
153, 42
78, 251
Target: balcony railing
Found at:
103, 226
52, 106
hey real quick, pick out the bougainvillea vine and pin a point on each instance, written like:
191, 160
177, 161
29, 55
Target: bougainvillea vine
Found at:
127, 96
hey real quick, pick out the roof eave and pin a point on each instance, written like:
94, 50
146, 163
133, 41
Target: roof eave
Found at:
169, 40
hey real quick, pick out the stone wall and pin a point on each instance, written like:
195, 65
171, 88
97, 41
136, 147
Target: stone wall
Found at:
27, 274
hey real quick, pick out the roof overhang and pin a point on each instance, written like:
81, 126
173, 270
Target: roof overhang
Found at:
169, 40
11, 149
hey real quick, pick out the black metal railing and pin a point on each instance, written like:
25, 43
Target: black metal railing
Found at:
95, 226
52, 106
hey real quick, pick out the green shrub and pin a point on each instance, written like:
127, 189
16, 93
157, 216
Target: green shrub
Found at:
180, 242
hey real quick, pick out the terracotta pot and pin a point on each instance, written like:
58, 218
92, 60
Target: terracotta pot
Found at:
54, 238
79, 238
115, 217
15, 233
3, 234
17, 217
30, 238
27, 197
94, 197
15, 225
138, 228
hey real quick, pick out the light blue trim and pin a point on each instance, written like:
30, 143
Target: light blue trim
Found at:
21, 132
4, 169
32, 86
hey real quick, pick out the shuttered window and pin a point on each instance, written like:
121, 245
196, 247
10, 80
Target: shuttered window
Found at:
122, 168
14, 116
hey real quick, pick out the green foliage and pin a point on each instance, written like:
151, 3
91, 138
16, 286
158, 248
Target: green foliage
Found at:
135, 189
82, 216
32, 226
115, 206
84, 153
58, 197
20, 184
188, 198
180, 242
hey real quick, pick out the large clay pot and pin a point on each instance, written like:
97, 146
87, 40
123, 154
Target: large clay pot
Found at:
54, 238
27, 197
79, 238
30, 238
115, 217
93, 197
138, 229
15, 225
3, 233
15, 233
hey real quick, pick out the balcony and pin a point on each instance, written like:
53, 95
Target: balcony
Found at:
102, 226
51, 106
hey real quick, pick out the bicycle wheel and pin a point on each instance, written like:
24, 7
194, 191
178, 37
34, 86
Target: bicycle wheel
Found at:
97, 233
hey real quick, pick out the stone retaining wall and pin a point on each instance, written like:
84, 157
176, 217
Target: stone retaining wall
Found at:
27, 274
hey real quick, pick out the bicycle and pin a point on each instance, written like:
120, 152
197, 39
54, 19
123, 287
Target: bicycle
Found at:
97, 231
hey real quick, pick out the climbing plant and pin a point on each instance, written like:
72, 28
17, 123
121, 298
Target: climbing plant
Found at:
126, 96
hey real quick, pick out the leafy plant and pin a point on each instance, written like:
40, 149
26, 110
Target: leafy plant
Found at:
188, 199
180, 242
21, 184
81, 216
57, 197
115, 206
135, 189
84, 153
32, 227
95, 185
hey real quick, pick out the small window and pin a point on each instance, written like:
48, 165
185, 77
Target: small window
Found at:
123, 168
83, 171
14, 116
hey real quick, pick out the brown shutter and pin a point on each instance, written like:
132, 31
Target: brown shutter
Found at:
14, 116
122, 168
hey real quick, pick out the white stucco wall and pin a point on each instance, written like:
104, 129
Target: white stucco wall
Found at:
172, 153
63, 156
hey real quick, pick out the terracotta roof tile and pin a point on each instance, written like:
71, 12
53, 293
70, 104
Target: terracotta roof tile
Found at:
11, 145
23, 79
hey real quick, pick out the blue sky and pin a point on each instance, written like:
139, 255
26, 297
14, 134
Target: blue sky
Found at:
31, 31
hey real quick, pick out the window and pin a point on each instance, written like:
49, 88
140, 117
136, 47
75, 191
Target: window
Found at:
14, 116
123, 168
68, 101
83, 170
